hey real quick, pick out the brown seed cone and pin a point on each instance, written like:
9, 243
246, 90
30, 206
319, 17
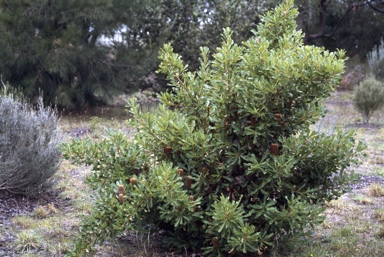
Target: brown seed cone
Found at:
215, 242
133, 181
277, 116
168, 149
121, 198
188, 182
191, 198
120, 189
205, 170
180, 171
274, 149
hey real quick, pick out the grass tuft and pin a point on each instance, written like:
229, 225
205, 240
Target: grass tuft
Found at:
362, 199
40, 212
379, 215
28, 240
376, 190
23, 221
380, 233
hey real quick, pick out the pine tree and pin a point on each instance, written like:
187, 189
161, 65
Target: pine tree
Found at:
52, 46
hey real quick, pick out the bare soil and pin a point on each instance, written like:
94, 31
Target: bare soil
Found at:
14, 205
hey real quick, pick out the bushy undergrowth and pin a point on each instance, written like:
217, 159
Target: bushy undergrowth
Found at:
28, 145
227, 164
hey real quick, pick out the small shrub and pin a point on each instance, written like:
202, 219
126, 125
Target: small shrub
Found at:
369, 97
28, 146
227, 163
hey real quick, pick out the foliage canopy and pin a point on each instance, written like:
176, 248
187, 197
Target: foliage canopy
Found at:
54, 47
351, 25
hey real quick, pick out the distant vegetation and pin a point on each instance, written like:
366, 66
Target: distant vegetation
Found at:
54, 46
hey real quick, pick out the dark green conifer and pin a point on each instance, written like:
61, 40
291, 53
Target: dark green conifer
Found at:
53, 46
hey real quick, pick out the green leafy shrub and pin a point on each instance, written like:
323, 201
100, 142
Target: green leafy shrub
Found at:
29, 137
227, 163
369, 97
376, 61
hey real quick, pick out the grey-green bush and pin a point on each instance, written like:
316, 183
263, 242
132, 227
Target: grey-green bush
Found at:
369, 97
376, 61
28, 146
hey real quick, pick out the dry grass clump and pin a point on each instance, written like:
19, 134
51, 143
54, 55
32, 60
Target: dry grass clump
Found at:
379, 215
376, 190
363, 199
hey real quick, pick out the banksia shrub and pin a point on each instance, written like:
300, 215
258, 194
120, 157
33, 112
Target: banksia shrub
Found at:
369, 97
227, 164
29, 139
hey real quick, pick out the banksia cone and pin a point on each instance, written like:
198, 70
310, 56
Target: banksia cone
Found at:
277, 116
188, 182
180, 171
274, 149
133, 181
168, 149
215, 242
120, 189
205, 170
191, 198
121, 198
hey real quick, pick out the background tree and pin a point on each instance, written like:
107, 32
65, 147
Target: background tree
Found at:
190, 24
355, 26
53, 46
